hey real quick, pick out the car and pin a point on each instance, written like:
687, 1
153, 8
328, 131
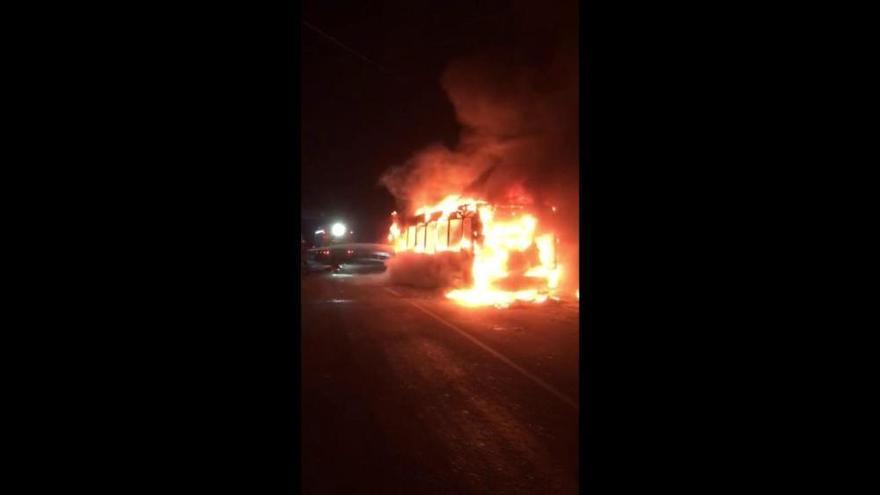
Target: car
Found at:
350, 253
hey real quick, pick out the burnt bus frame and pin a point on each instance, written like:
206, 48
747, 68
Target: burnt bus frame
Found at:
419, 221
462, 214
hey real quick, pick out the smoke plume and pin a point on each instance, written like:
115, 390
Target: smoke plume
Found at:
518, 111
428, 271
519, 121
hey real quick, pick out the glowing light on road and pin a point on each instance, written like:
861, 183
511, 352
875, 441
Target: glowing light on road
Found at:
338, 230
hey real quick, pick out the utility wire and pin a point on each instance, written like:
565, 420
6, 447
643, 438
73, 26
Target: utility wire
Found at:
341, 44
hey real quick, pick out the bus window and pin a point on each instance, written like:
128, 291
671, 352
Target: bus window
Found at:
431, 237
420, 238
411, 237
454, 233
442, 231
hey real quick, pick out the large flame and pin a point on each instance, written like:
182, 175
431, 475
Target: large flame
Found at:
449, 205
394, 234
495, 281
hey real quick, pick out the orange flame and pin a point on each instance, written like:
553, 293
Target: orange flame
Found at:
449, 205
501, 238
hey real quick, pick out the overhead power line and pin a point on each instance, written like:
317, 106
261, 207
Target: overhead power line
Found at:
341, 44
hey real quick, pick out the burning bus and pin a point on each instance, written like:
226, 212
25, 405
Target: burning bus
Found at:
505, 255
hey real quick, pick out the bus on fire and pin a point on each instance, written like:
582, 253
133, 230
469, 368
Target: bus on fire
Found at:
509, 259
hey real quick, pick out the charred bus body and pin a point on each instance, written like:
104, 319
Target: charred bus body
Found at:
438, 232
462, 233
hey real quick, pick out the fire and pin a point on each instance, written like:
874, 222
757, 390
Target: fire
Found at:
395, 232
512, 260
501, 238
449, 205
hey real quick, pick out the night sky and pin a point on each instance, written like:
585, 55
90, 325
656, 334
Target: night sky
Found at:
371, 96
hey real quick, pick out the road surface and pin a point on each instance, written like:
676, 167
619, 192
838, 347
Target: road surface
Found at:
405, 392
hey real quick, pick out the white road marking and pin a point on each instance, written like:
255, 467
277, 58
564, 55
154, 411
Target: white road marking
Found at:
541, 383
392, 291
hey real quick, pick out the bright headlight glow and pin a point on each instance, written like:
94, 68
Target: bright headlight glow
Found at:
338, 230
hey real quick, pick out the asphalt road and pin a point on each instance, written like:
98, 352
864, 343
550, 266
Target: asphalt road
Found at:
405, 392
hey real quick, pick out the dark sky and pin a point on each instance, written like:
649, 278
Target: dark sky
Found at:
374, 102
